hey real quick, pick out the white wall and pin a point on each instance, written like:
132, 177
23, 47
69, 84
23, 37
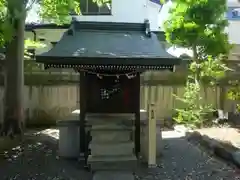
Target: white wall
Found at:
132, 11
153, 15
233, 31
232, 3
234, 25
233, 28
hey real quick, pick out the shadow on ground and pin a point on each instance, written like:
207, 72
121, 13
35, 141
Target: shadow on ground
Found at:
35, 159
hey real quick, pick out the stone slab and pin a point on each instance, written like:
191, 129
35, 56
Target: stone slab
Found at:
109, 116
117, 166
110, 126
124, 163
111, 149
69, 142
113, 175
110, 136
111, 158
143, 114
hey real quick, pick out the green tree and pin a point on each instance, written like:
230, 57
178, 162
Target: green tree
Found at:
199, 25
12, 26
234, 93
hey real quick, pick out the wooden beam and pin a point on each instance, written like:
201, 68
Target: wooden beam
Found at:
137, 116
82, 87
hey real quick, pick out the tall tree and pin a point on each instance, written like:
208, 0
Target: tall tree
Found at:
12, 26
200, 26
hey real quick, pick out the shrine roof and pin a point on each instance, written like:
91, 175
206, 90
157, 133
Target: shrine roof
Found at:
108, 43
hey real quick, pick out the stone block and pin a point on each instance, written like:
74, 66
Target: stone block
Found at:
111, 149
110, 136
110, 126
69, 142
120, 163
113, 175
109, 116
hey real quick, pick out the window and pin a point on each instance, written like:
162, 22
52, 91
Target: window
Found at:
88, 7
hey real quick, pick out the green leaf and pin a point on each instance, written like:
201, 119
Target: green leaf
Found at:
199, 25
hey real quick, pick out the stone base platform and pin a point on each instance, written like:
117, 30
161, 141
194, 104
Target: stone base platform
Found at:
113, 175
114, 163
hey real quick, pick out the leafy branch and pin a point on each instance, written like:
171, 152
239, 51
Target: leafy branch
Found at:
199, 26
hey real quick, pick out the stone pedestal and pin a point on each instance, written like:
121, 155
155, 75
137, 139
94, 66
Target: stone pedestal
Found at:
69, 142
112, 148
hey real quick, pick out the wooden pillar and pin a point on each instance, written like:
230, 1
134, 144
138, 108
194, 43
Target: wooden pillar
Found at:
137, 133
137, 115
82, 97
152, 135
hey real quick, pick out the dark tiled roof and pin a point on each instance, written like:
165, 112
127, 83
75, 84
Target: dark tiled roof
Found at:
33, 26
104, 43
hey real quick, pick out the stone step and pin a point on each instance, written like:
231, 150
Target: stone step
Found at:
109, 136
110, 116
110, 127
111, 148
113, 175
127, 163
125, 123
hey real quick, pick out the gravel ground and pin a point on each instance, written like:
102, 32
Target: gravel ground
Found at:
183, 161
36, 160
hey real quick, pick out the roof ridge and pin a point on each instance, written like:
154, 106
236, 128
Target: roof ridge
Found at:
119, 26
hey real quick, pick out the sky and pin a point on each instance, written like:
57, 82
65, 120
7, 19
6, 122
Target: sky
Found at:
32, 15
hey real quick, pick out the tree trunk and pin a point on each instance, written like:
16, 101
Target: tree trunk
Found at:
14, 81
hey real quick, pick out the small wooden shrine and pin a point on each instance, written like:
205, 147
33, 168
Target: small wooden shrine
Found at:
110, 58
